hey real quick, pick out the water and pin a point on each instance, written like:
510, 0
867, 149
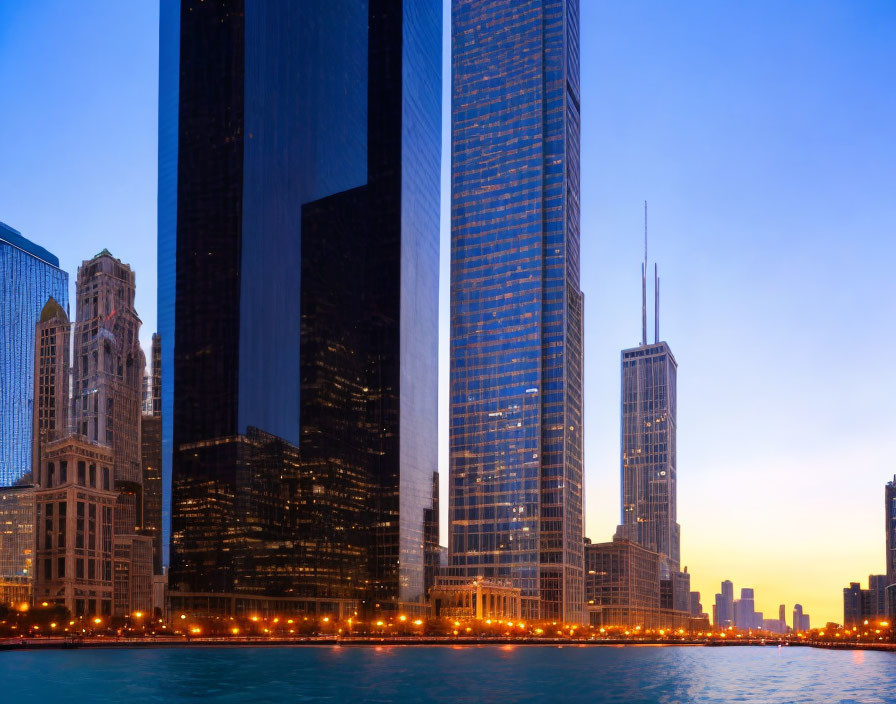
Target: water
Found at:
633, 675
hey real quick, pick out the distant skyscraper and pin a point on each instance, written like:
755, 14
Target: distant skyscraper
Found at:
724, 615
29, 276
890, 517
782, 616
696, 608
51, 378
516, 305
649, 450
299, 200
800, 620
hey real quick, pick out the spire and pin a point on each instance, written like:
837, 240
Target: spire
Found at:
656, 304
644, 284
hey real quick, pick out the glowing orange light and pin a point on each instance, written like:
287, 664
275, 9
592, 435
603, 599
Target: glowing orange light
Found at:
402, 618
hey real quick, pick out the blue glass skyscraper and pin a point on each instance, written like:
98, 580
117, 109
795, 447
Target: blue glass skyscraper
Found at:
29, 275
516, 306
298, 283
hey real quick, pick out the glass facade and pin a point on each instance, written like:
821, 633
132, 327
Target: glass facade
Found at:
649, 374
890, 513
29, 276
298, 304
516, 306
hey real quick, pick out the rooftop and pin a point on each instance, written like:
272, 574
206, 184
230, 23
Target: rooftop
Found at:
14, 237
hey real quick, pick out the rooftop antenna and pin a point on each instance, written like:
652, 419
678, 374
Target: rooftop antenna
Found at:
644, 284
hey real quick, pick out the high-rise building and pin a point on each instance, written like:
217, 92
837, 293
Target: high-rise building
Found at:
724, 613
800, 620
782, 617
16, 544
622, 585
107, 374
29, 276
890, 518
516, 407
696, 608
51, 378
299, 199
649, 450
74, 526
861, 605
151, 454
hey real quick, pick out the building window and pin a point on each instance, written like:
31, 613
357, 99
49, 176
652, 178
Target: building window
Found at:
82, 469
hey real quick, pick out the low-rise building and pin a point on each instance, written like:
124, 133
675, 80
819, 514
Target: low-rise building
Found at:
462, 597
622, 585
16, 544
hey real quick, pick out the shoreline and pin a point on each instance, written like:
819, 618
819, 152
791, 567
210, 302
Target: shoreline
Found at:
31, 644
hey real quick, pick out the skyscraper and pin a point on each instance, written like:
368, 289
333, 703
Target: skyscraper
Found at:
649, 451
298, 297
51, 378
107, 374
724, 611
151, 454
516, 305
890, 527
29, 275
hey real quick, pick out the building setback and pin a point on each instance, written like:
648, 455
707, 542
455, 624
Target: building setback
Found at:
29, 276
299, 398
516, 408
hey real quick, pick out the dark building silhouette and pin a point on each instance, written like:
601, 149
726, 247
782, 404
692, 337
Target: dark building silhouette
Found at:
298, 253
516, 408
890, 518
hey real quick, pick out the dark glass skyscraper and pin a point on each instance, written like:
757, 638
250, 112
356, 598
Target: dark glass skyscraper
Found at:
890, 516
29, 276
298, 295
648, 448
516, 306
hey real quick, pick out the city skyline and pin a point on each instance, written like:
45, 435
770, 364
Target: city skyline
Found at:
794, 310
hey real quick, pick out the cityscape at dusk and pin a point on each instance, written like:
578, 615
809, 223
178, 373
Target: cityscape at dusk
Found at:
474, 319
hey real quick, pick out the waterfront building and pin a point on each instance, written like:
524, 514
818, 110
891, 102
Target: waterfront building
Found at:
801, 621
890, 519
622, 585
782, 617
29, 276
75, 503
516, 361
696, 608
299, 391
460, 597
861, 605
725, 606
16, 544
151, 454
51, 378
774, 625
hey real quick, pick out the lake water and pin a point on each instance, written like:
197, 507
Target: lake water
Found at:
449, 674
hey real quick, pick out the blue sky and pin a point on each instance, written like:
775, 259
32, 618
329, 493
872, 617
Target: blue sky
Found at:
763, 135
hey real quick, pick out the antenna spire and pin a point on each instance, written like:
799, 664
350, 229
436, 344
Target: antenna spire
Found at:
656, 304
644, 284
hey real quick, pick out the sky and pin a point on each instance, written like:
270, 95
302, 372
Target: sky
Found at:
763, 136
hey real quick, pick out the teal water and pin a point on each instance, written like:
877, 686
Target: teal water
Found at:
632, 675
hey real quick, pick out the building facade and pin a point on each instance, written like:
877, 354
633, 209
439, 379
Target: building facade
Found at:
299, 351
29, 276
861, 605
107, 376
16, 544
151, 454
74, 526
51, 379
890, 527
459, 597
622, 585
516, 407
723, 616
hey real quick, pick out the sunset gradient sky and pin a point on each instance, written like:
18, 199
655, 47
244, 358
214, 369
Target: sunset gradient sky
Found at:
763, 135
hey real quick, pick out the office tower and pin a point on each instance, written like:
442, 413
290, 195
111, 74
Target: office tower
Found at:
648, 452
299, 199
516, 408
51, 378
622, 585
29, 276
696, 608
16, 544
107, 374
800, 620
151, 454
852, 605
74, 526
782, 617
725, 604
877, 597
890, 518
861, 605
745, 612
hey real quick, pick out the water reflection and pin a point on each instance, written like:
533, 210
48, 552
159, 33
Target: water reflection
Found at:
471, 674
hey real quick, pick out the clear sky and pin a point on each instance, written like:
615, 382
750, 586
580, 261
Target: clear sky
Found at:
763, 135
